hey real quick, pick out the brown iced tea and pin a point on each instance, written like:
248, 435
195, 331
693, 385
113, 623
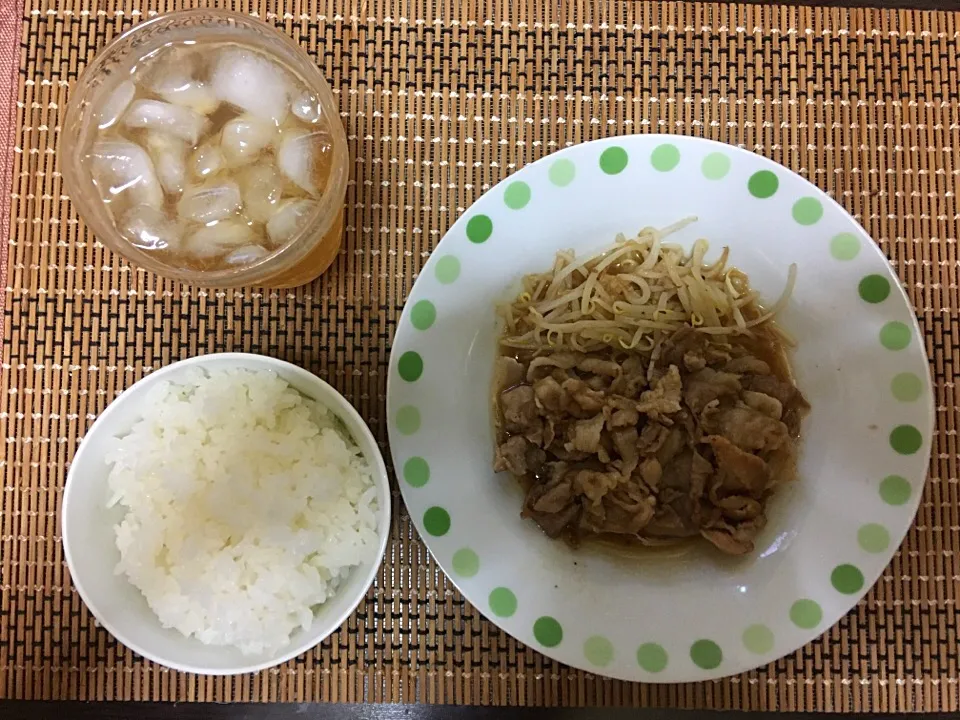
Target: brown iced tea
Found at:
211, 156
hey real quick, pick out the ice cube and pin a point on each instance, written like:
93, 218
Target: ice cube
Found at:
194, 95
261, 187
169, 158
289, 218
173, 76
219, 237
247, 255
181, 122
206, 161
149, 228
306, 107
245, 137
305, 157
209, 202
123, 169
252, 83
115, 103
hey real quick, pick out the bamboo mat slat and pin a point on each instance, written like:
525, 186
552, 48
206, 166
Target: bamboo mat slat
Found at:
442, 99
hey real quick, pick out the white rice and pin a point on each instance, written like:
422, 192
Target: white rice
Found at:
246, 506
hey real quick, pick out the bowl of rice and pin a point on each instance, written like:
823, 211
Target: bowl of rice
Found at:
225, 514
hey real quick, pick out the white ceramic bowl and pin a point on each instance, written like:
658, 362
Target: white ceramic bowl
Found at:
91, 553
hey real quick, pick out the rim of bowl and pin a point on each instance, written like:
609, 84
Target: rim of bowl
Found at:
343, 408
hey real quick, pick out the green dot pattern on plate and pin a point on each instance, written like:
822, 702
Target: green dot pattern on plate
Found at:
906, 386
807, 211
423, 314
844, 246
503, 603
905, 439
715, 166
665, 157
436, 521
806, 614
763, 184
874, 288
895, 335
447, 269
547, 631
466, 563
408, 420
562, 172
517, 195
706, 654
598, 650
416, 472
410, 366
479, 229
894, 490
758, 639
652, 657
847, 579
873, 538
613, 160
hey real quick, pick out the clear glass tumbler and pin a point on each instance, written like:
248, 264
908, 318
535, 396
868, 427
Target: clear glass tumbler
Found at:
311, 249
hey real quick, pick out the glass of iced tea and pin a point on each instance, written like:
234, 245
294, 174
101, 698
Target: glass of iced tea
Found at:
205, 146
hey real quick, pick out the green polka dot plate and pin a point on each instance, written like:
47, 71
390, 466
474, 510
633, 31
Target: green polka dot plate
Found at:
685, 615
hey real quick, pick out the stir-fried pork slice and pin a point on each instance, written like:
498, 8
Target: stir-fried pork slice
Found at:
632, 378
738, 507
519, 456
549, 395
795, 406
664, 397
697, 345
582, 400
593, 485
674, 442
748, 364
769, 406
739, 472
704, 386
625, 444
584, 435
553, 496
507, 373
736, 539
519, 408
552, 504
625, 510
553, 524
520, 413
650, 471
681, 488
652, 437
667, 523
747, 428
596, 366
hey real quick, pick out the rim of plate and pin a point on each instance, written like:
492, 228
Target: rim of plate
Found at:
443, 269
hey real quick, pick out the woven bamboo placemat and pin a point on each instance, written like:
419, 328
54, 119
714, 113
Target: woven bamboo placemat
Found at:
441, 100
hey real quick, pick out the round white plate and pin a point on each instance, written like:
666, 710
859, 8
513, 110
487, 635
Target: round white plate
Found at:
860, 361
